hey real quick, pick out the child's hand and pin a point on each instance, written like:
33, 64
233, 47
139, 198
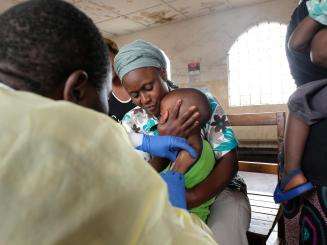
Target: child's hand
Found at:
318, 10
183, 162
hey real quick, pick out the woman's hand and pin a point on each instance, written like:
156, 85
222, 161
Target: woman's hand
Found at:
171, 123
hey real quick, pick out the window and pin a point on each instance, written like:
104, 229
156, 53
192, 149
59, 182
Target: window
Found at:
258, 68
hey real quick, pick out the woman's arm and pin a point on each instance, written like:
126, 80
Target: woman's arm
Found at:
303, 34
219, 178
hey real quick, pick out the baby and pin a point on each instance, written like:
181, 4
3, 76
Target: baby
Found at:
194, 170
307, 105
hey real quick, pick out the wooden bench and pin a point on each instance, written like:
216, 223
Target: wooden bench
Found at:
265, 214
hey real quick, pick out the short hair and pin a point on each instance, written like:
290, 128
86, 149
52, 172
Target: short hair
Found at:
44, 41
112, 46
190, 97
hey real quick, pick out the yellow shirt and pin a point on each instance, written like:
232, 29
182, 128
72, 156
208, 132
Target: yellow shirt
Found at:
68, 175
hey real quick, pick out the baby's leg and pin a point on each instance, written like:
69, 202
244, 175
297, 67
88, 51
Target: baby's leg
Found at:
295, 139
307, 106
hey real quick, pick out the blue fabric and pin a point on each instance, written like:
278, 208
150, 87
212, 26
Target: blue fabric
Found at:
176, 188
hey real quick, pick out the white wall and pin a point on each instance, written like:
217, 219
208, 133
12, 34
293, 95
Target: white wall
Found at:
208, 39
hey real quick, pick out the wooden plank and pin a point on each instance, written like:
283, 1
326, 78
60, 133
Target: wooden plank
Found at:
259, 230
268, 168
261, 216
262, 210
258, 141
260, 193
253, 119
264, 204
269, 199
281, 118
260, 227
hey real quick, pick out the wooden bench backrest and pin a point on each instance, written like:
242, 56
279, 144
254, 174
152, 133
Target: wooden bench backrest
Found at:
260, 119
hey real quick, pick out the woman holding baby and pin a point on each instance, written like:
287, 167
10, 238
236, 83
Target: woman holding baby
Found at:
141, 67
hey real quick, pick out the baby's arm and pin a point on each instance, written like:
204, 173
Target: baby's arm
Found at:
183, 162
306, 30
303, 34
158, 163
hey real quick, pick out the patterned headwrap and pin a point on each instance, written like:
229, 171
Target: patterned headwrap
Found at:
138, 54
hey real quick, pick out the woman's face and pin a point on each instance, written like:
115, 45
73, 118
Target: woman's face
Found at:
146, 87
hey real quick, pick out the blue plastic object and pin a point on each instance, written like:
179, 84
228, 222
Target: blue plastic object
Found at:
165, 146
282, 196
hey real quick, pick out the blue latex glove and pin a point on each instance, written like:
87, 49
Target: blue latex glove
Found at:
318, 10
176, 188
165, 146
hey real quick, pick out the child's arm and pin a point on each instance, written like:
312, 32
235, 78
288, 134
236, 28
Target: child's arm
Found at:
158, 163
303, 34
183, 162
318, 50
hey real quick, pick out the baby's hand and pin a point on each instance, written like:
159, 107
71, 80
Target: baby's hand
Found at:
183, 162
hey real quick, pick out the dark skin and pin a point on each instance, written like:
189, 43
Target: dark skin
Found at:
224, 170
146, 87
172, 123
308, 35
318, 48
184, 160
218, 179
77, 88
303, 34
296, 135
